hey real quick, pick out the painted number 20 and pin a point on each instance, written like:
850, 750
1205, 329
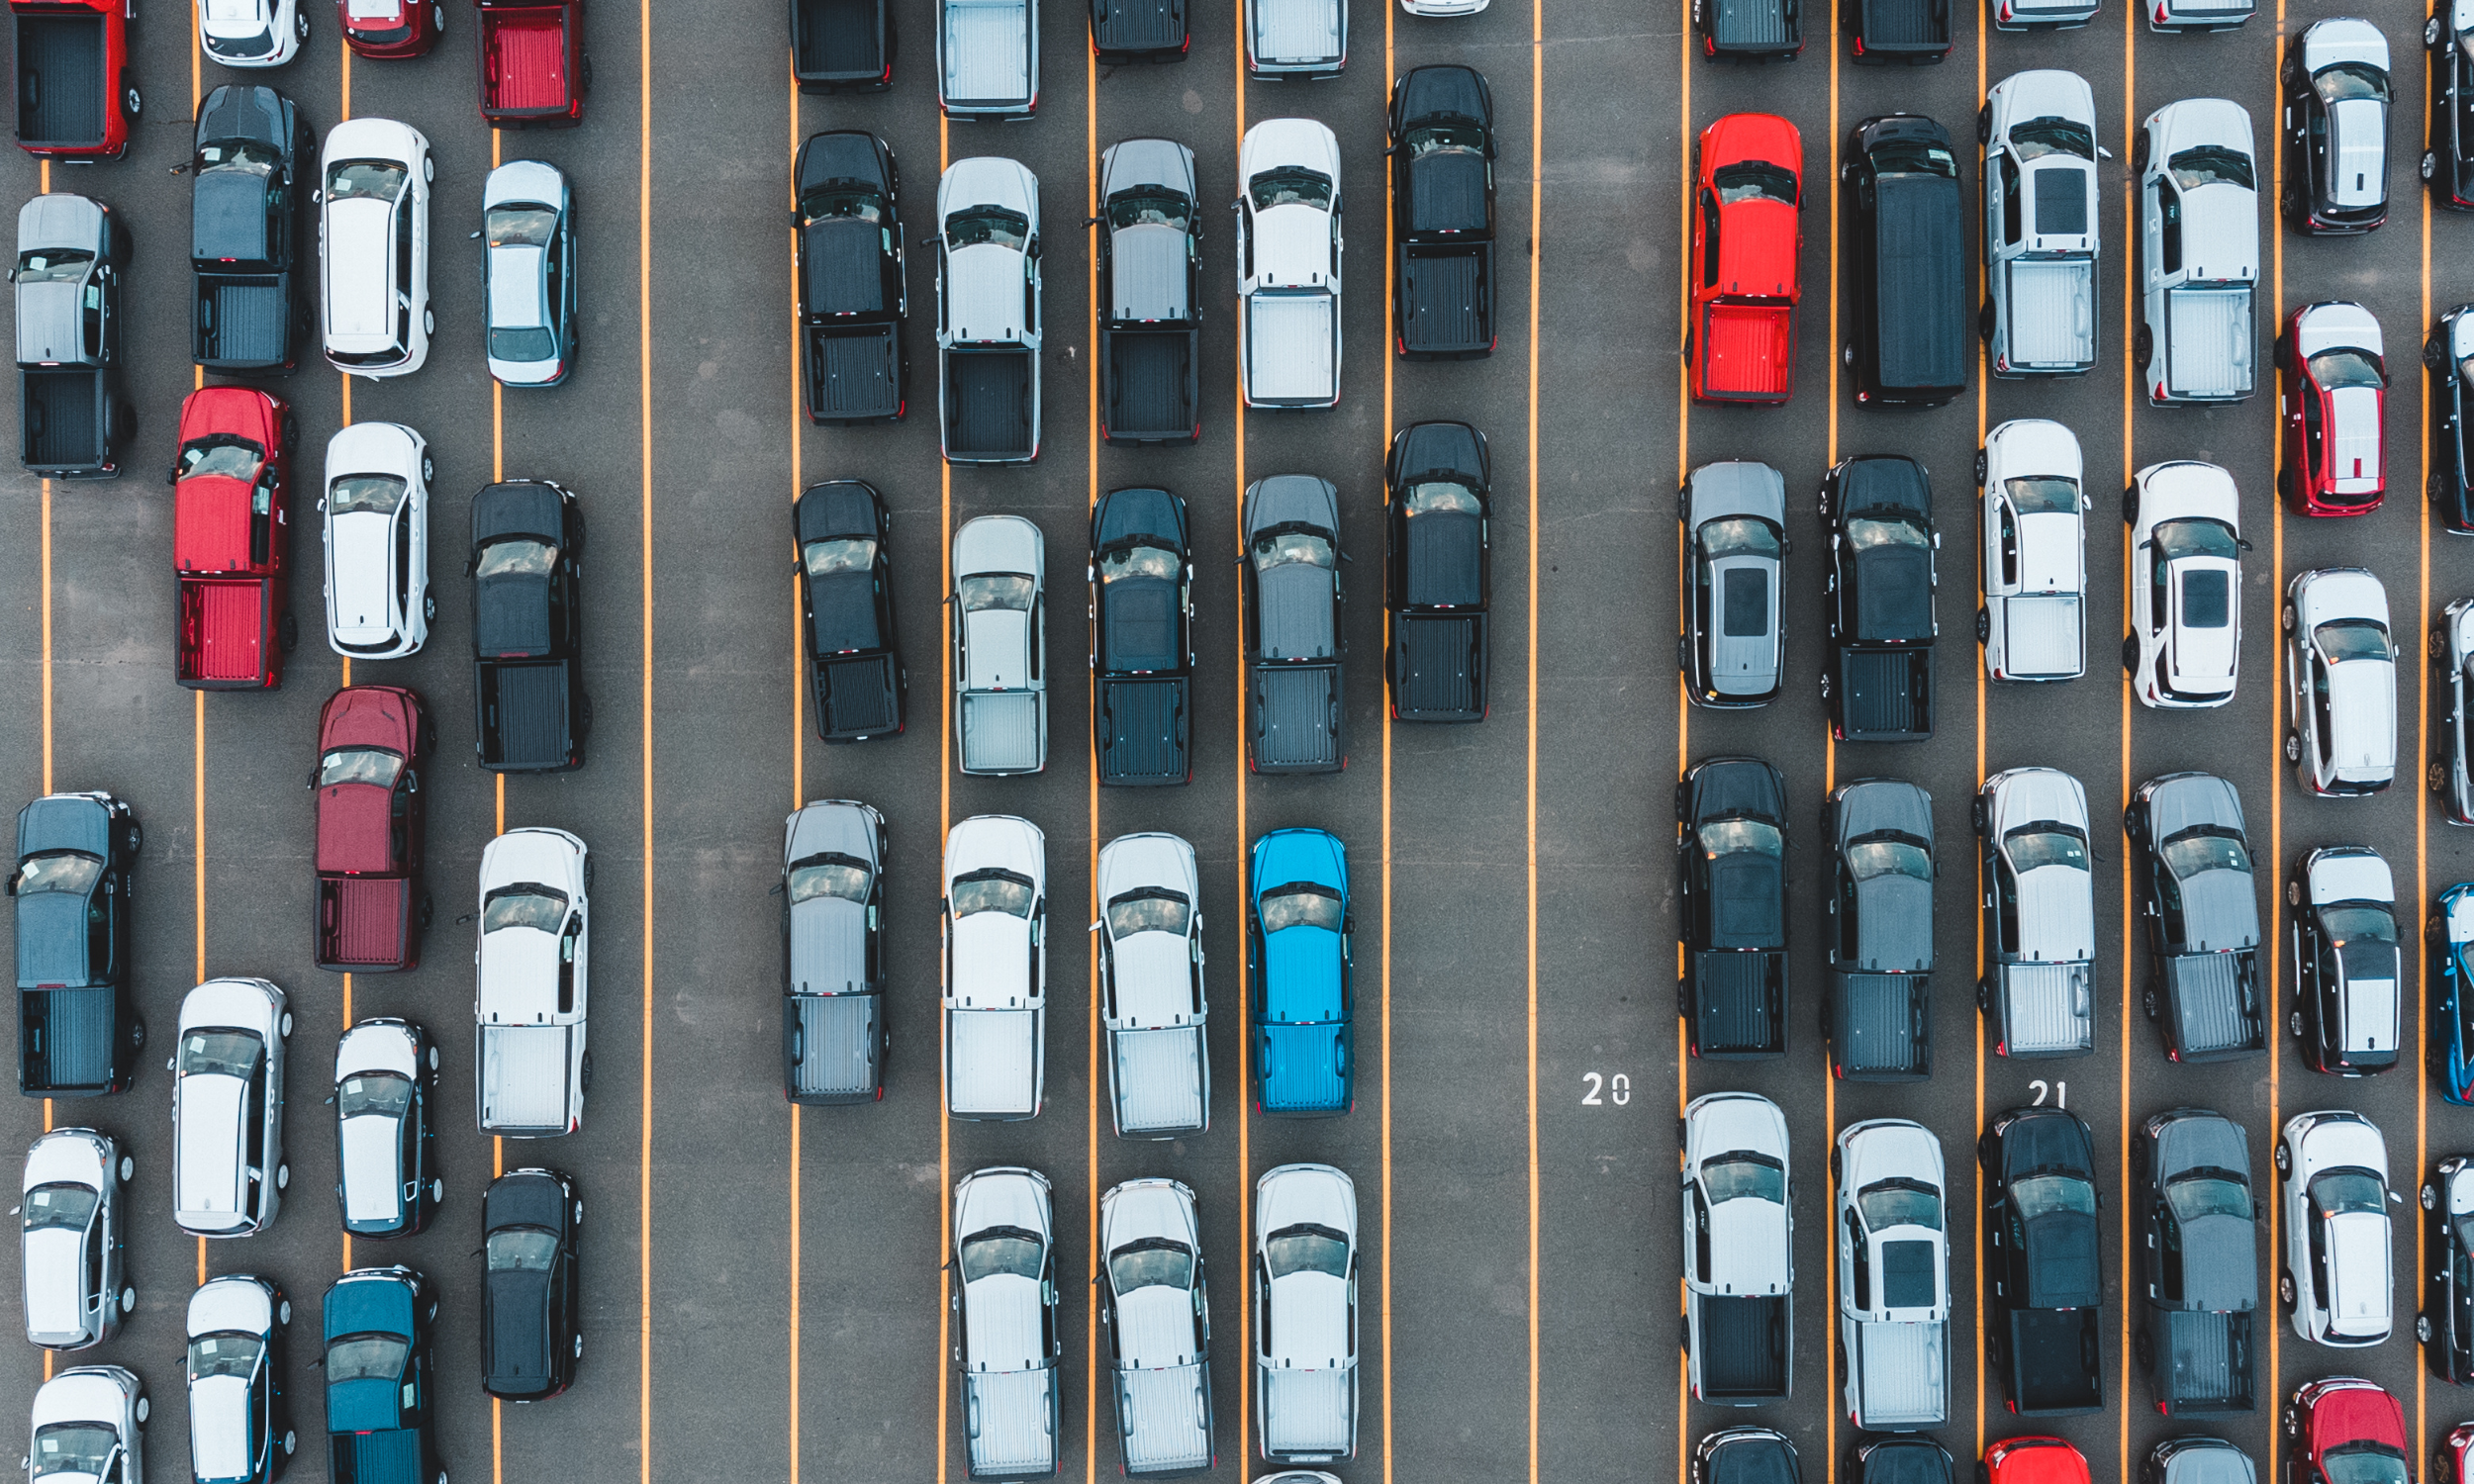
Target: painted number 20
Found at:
1604, 1089
2060, 1091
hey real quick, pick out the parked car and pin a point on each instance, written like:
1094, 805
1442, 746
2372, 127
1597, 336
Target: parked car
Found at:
532, 1310
1150, 331
1306, 1273
2450, 1039
996, 999
375, 532
240, 1409
846, 601
2199, 16
833, 974
2200, 896
1157, 1308
528, 274
73, 418
2201, 1217
1438, 515
74, 98
1750, 30
2195, 1457
246, 241
1151, 997
1288, 215
381, 1379
1001, 643
1893, 1256
1732, 648
2034, 1460
1295, 644
2040, 222
1909, 233
2340, 672
373, 832
2454, 1456
385, 30
1878, 601
1298, 930
229, 1171
2348, 970
387, 1180
1441, 126
1913, 31
232, 539
2033, 624
2335, 392
2446, 1326
2199, 253
1123, 31
849, 260
77, 1026
253, 33
840, 47
373, 248
988, 309
533, 71
1007, 1339
1878, 1008
89, 1422
2332, 1172
2337, 93
1295, 40
1892, 1459
2185, 645
2448, 356
2040, 914
1739, 1251
2343, 1425
527, 627
73, 1239
2447, 166
1141, 580
1731, 912
988, 59
531, 977
2046, 1261
1747, 241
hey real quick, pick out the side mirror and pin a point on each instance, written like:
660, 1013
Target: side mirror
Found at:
476, 237
1092, 222
467, 917
777, 889
330, 1097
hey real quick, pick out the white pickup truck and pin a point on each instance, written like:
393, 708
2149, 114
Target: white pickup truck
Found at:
1305, 1302
1005, 1336
1157, 1310
529, 975
996, 1000
2033, 624
1289, 246
2199, 253
2040, 914
1893, 1256
2041, 223
1151, 986
1001, 637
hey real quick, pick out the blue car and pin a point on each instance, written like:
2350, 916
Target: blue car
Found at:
2452, 1037
1303, 1065
379, 1378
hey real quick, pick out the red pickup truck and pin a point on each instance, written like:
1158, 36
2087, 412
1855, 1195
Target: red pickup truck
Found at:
533, 71
230, 543
1745, 242
74, 100
371, 908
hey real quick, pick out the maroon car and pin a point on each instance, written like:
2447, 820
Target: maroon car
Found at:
383, 29
371, 907
2344, 1430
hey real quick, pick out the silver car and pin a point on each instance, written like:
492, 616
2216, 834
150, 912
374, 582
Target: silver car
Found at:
528, 273
1151, 986
72, 1247
1007, 1341
376, 530
2340, 672
2331, 1170
2452, 758
227, 1167
239, 1425
1733, 644
90, 1428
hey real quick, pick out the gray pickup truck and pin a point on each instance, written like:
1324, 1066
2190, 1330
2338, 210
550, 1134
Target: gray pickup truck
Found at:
2202, 906
1294, 636
71, 414
2040, 914
1155, 1308
1877, 1012
1006, 1343
1151, 986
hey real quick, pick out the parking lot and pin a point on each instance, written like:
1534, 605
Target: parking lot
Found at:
763, 1288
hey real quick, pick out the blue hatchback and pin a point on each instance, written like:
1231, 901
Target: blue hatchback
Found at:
2452, 1034
1303, 1062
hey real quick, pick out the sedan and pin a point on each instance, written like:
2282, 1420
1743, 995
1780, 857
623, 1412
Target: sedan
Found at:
846, 605
2448, 356
2451, 1036
530, 1309
2035, 535
2337, 93
1732, 648
1747, 1455
2332, 1172
72, 1244
2446, 1326
240, 1418
1300, 929
2201, 902
2452, 773
2347, 967
2336, 386
2341, 671
228, 1167
2344, 1429
253, 33
90, 1428
2184, 648
528, 273
376, 533
1000, 640
833, 953
2196, 1457
1437, 516
385, 29
72, 893
386, 1145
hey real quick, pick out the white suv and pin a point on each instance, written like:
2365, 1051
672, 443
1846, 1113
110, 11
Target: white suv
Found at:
373, 248
228, 1165
2340, 670
2333, 1175
2185, 645
377, 541
72, 1245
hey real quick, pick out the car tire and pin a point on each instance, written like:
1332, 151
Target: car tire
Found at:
2139, 154
429, 910
2129, 654
438, 19
2144, 1348
143, 1408
2293, 747
2147, 1002
1985, 329
1982, 467
429, 174
283, 1176
2422, 1329
1985, 625
1984, 124
2285, 1292
2143, 340
2433, 34
429, 471
2429, 1196
2437, 489
133, 838
1847, 353
2293, 1421
283, 1027
2439, 777
438, 1191
2294, 1023
2282, 1157
2430, 168
290, 433
584, 1079
434, 1058
283, 1311
1684, 654
578, 1218
300, 26
1976, 813
429, 320
137, 1036
291, 1440
129, 1300
128, 1169
131, 103
579, 1344
288, 632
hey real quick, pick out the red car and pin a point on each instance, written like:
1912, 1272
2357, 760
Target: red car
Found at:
2034, 1460
74, 96
2452, 1463
2335, 385
1747, 237
385, 29
2345, 1431
533, 71
231, 544
371, 740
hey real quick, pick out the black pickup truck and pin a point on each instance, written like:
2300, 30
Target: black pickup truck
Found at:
1124, 31
852, 294
1436, 516
1750, 30
1142, 659
1293, 639
1877, 1010
842, 46
2043, 1245
1149, 350
245, 231
2200, 898
1902, 31
1442, 129
2202, 1265
78, 1031
1731, 857
846, 596
72, 416
1879, 600
527, 627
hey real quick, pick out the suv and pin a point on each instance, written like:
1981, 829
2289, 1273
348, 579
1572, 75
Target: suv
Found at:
2185, 647
228, 1167
2448, 356
2337, 93
240, 1419
2336, 388
2340, 672
2452, 756
1733, 647
72, 1246
2332, 1171
530, 1311
373, 248
2348, 968
2446, 1326
376, 530
387, 1180
528, 274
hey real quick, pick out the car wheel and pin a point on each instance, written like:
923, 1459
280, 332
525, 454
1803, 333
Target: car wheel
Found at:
2143, 339
584, 1079
131, 103
2147, 1002
1984, 626
1976, 813
579, 1346
283, 1176
437, 1192
1982, 467
129, 1300
429, 172
300, 26
283, 1027
1847, 353
283, 1311
2430, 164
2285, 1291
2293, 1420
2431, 34
291, 1440
588, 876
2437, 489
1683, 653
2282, 1157
429, 321
578, 1218
290, 433
1984, 124
2138, 154
2294, 1022
287, 633
2144, 1348
2431, 1198
133, 839
144, 1408
1985, 328
129, 1170
438, 19
2129, 654
2440, 784
434, 1058
2422, 1329
2293, 747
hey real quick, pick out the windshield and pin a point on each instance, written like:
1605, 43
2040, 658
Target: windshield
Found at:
2357, 924
1003, 590
1721, 837
522, 1249
374, 1094
2212, 164
1744, 1176
843, 200
1436, 496
2207, 1195
52, 265
991, 890
1003, 1252
1866, 859
1276, 549
365, 495
527, 904
520, 556
223, 1355
1865, 532
2052, 134
2048, 496
1154, 909
2187, 856
2177, 539
1155, 1262
1914, 158
1306, 1249
1753, 180
2037, 846
2349, 79
1739, 536
848, 554
1899, 1203
1119, 563
2347, 368
2363, 1463
2342, 1192
987, 226
1150, 206
2352, 639
366, 179
828, 876
360, 765
518, 226
1300, 904
224, 457
64, 871
230, 1053
59, 1208
367, 1358
74, 1448
2050, 1194
1291, 185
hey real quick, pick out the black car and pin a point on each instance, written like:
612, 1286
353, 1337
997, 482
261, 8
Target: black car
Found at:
2348, 971
1295, 639
1877, 1011
527, 627
246, 233
1123, 31
1749, 30
78, 1031
529, 1340
852, 294
1744, 1455
2446, 1327
2448, 165
1436, 570
1442, 132
2201, 1269
846, 595
2448, 356
2200, 895
2337, 95
1900, 1460
2045, 1259
1878, 603
1731, 850
1142, 656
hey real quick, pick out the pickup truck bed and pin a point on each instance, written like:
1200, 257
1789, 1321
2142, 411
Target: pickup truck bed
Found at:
2051, 303
1308, 1415
65, 1040
523, 60
1444, 308
2213, 999
364, 923
2053, 1362
854, 373
2208, 342
1885, 695
1163, 1428
1740, 1003
1296, 718
1438, 666
523, 709
523, 1078
62, 92
836, 1035
992, 1062
68, 423
1151, 385
1289, 346
860, 692
2048, 1010
225, 624
1299, 1074
242, 322
2041, 636
1880, 1025
2203, 1363
999, 731
1010, 1415
1899, 1371
1143, 730
392, 1457
1747, 350
835, 43
1747, 24
988, 55
1911, 30
987, 404
1158, 1080
1126, 28
1743, 1343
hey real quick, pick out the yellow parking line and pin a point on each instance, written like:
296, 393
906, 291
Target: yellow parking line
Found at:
1537, 255
1830, 751
2276, 726
2421, 807
799, 744
944, 827
1090, 400
644, 579
2129, 377
1683, 708
1245, 854
1390, 71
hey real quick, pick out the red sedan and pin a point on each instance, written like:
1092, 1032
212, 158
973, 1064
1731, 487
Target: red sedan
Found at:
1746, 237
2336, 386
370, 907
2452, 1463
2345, 1431
2034, 1460
231, 544
383, 29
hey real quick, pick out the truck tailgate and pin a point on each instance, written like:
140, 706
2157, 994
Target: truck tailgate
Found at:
1157, 1075
860, 695
1909, 24
523, 60
987, 52
854, 374
1878, 1023
2041, 636
2208, 349
1442, 299
364, 923
1296, 717
2048, 1010
1743, 1343
223, 629
1899, 1372
1737, 1010
244, 322
987, 404
1143, 731
835, 1042
1164, 1416
2052, 313
991, 1063
64, 1039
2207, 1363
62, 92
1290, 354
1438, 662
1888, 695
1748, 351
1308, 1415
1011, 1420
524, 705
999, 731
2215, 1001
1151, 385
523, 1078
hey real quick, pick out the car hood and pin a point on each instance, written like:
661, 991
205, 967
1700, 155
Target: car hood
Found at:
829, 945
49, 323
219, 1428
51, 940
2359, 162
992, 957
2353, 439
2365, 689
1748, 1242
361, 566
53, 1259
1302, 976
355, 829
2061, 1264
1154, 980
1147, 272
2359, 1275
1756, 249
2049, 553
2221, 1263
1292, 247
512, 615
370, 1147
984, 298
1310, 1320
518, 296
997, 642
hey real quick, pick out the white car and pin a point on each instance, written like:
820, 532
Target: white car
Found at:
376, 531
1151, 986
239, 1426
2033, 624
253, 33
1288, 249
2332, 1172
1738, 1241
528, 273
90, 1428
2185, 645
386, 1156
228, 1167
996, 999
73, 1249
1156, 1311
1305, 1302
373, 248
1000, 644
531, 977
2341, 671
1007, 1341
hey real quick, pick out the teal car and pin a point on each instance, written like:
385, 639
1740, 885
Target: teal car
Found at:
380, 1379
1298, 930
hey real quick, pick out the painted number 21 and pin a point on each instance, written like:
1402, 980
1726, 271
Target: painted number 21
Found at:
1604, 1089
2060, 1091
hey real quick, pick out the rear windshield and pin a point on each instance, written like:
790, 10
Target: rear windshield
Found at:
1756, 180
360, 765
365, 179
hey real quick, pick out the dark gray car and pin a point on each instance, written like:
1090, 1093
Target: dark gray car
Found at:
833, 953
1734, 517
2201, 900
1879, 1011
1294, 639
2201, 1267
1149, 356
